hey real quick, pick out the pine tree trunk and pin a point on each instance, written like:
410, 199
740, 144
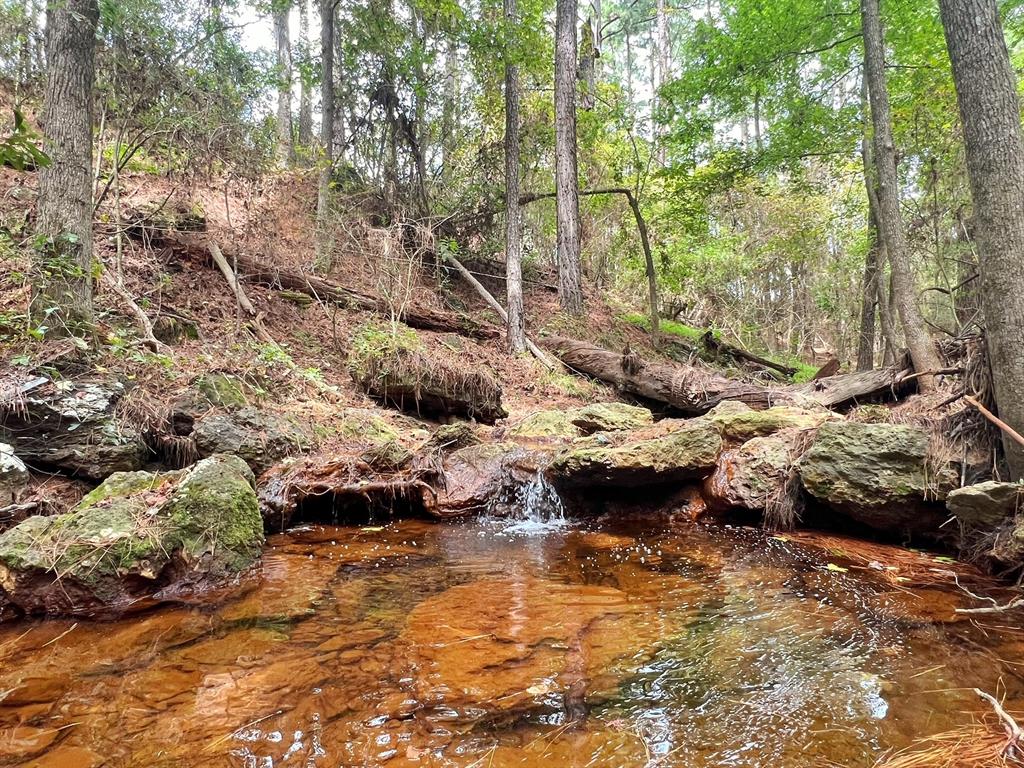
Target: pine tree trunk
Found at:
986, 88
869, 284
323, 196
890, 223
62, 280
567, 201
661, 18
285, 149
305, 98
513, 213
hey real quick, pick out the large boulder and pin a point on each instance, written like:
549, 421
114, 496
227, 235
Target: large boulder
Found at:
391, 363
672, 451
138, 537
986, 505
13, 475
753, 476
72, 427
260, 438
875, 474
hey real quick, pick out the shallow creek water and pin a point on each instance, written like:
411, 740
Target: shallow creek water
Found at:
633, 643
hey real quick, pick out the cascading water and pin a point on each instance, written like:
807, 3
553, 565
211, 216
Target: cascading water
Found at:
531, 506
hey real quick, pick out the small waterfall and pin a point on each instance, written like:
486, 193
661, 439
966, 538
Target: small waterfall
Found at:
530, 506
540, 502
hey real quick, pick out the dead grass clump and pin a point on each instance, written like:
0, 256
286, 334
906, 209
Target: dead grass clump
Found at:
784, 507
981, 744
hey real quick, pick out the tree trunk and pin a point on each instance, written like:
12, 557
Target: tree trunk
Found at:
285, 149
323, 195
451, 73
339, 128
986, 87
885, 313
869, 284
513, 213
305, 98
570, 278
588, 65
890, 223
63, 264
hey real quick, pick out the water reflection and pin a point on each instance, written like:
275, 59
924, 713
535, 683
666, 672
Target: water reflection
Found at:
421, 644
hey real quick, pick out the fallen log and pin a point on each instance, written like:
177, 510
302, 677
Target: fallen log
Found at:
718, 347
196, 245
694, 391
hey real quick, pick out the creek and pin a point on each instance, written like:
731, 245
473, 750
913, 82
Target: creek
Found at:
626, 642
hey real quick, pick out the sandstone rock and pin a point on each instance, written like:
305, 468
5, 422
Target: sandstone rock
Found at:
476, 477
569, 423
259, 438
139, 536
72, 427
13, 475
609, 417
556, 423
986, 505
679, 450
873, 473
452, 437
739, 422
754, 475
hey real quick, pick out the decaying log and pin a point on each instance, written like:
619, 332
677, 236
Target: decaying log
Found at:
195, 245
695, 391
689, 389
717, 347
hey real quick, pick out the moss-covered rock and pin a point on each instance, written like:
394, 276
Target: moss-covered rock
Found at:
222, 390
452, 437
556, 423
685, 450
610, 417
875, 474
138, 537
569, 423
259, 438
74, 427
392, 364
738, 422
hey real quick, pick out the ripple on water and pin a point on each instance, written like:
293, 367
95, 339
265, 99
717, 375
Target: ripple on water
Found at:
421, 644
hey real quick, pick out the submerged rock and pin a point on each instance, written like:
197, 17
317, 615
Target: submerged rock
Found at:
392, 364
72, 427
138, 536
675, 451
13, 475
875, 474
986, 505
476, 651
259, 438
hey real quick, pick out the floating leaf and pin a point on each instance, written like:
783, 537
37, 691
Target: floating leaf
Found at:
837, 568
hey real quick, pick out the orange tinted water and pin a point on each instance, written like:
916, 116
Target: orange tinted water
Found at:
423, 644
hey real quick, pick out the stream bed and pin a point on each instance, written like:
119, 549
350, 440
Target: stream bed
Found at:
623, 643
